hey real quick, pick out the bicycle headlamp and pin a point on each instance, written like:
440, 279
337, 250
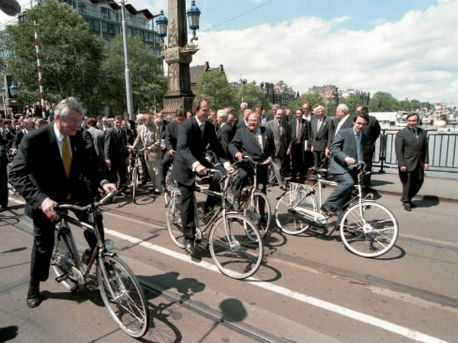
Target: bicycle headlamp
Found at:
109, 244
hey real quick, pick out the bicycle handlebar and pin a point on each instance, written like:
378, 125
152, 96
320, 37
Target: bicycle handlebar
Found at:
248, 158
104, 200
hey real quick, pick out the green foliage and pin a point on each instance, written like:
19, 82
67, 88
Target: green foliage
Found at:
148, 82
383, 102
312, 98
252, 95
69, 54
352, 101
214, 84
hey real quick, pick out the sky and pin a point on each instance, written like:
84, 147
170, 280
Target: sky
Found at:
408, 48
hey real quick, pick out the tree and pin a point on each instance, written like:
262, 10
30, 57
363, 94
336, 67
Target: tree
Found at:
383, 102
214, 84
313, 99
405, 105
148, 82
70, 55
352, 101
252, 95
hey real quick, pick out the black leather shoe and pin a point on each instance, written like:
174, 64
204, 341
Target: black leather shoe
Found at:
412, 205
327, 211
189, 246
407, 207
33, 297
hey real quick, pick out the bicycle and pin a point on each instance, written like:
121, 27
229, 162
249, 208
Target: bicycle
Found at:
233, 240
118, 286
254, 203
132, 171
367, 229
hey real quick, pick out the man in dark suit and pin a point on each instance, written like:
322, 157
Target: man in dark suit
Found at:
224, 131
372, 131
281, 134
346, 151
308, 154
5, 137
194, 135
116, 153
411, 145
320, 137
52, 166
258, 143
299, 133
171, 138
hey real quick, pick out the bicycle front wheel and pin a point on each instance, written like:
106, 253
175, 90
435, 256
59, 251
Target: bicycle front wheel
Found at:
236, 246
122, 295
173, 217
370, 230
288, 214
258, 212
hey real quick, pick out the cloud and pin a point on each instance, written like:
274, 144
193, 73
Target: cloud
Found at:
415, 57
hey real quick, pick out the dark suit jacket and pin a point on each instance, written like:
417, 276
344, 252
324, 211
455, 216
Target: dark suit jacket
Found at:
282, 139
372, 131
115, 148
224, 136
410, 151
191, 147
343, 146
171, 135
304, 134
348, 123
320, 139
37, 171
245, 141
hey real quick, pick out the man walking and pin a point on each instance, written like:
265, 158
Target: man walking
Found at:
411, 146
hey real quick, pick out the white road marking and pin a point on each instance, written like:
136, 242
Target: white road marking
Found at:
361, 317
326, 305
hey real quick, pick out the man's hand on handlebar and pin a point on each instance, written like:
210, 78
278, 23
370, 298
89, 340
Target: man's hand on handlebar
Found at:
108, 187
47, 206
239, 156
201, 170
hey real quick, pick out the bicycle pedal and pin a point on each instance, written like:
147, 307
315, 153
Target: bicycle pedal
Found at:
61, 278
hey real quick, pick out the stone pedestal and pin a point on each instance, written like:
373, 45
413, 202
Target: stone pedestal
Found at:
178, 56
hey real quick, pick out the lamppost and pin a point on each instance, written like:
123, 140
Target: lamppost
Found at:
129, 99
178, 53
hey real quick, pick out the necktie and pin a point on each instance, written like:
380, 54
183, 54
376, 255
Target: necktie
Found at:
359, 154
202, 128
66, 156
259, 140
298, 131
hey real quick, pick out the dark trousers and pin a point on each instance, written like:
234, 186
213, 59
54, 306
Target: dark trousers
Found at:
319, 159
43, 244
167, 161
118, 173
297, 158
309, 160
367, 158
3, 182
411, 183
187, 207
242, 179
342, 193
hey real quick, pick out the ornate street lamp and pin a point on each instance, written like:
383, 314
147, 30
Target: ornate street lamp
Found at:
162, 23
13, 91
193, 13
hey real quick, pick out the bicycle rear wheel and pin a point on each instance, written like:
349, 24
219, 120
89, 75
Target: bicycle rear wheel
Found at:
122, 295
258, 212
287, 211
173, 217
236, 246
370, 230
63, 260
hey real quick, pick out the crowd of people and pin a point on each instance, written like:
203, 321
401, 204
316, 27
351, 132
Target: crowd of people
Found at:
53, 157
